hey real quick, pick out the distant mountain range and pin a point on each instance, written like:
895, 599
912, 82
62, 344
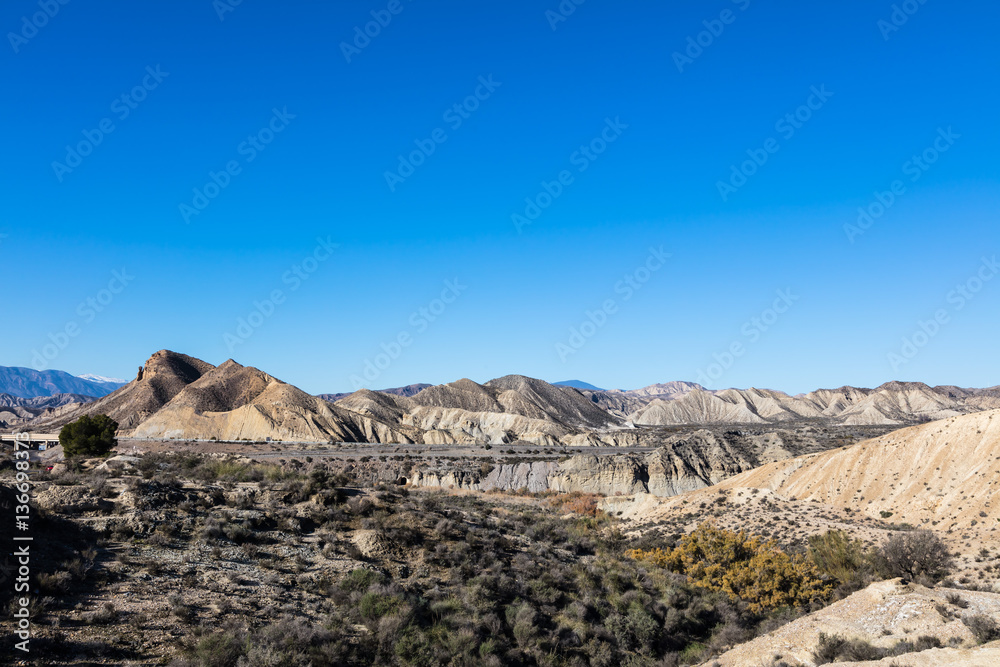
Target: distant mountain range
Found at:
577, 384
408, 390
29, 383
176, 396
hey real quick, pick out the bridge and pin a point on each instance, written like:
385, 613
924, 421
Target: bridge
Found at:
33, 439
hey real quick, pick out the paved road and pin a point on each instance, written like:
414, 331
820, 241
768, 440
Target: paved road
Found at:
286, 450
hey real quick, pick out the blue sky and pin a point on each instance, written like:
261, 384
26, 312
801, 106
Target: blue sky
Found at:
640, 136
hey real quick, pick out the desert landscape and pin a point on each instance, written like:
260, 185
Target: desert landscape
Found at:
535, 333
240, 520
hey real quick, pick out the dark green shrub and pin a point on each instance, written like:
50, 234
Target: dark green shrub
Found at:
361, 579
374, 606
222, 649
89, 436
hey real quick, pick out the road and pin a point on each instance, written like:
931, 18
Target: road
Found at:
287, 450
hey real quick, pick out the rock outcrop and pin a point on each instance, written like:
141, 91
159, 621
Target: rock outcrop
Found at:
683, 464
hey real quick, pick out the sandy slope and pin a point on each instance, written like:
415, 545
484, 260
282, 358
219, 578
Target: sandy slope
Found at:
233, 402
944, 474
882, 614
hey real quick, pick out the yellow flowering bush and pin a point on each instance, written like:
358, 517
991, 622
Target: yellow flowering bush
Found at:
746, 568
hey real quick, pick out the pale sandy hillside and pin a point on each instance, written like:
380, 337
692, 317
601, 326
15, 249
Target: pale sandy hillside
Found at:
900, 402
883, 614
234, 402
943, 474
697, 407
890, 403
503, 410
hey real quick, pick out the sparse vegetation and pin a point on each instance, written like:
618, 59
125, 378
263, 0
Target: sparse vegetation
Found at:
834, 648
257, 563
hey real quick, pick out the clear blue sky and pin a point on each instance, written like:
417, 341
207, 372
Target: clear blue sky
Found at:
190, 278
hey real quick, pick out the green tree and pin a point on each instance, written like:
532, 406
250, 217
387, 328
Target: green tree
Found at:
89, 436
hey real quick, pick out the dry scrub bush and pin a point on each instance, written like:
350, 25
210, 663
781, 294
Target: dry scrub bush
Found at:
983, 628
834, 648
919, 555
743, 567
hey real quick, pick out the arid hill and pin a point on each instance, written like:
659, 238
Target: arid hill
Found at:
504, 410
162, 377
891, 403
943, 476
408, 390
234, 402
177, 396
883, 614
15, 410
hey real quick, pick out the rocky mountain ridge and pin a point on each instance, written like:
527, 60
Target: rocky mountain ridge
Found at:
15, 410
175, 396
408, 390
